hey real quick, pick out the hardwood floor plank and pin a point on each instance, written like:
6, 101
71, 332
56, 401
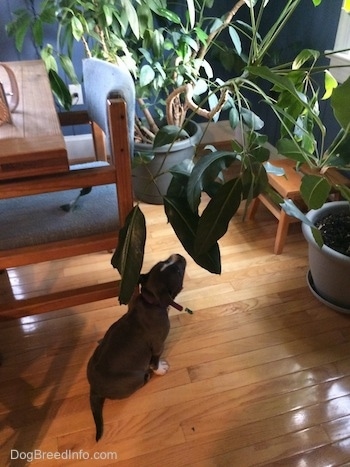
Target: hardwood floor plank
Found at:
259, 374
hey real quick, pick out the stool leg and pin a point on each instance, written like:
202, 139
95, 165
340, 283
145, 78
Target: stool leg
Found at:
282, 231
253, 208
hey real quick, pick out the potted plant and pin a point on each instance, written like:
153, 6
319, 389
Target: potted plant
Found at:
326, 227
163, 45
288, 89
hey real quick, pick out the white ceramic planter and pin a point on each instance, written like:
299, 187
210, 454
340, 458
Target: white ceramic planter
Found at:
329, 274
150, 189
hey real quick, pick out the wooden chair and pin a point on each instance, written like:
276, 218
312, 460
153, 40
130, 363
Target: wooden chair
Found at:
34, 227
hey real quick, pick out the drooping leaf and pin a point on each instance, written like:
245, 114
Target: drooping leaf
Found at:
60, 90
128, 257
191, 13
37, 30
210, 164
292, 209
77, 28
68, 67
330, 83
252, 120
213, 223
185, 222
235, 39
340, 103
314, 190
273, 169
303, 57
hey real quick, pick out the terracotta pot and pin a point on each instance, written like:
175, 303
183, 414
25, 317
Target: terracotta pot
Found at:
329, 274
151, 188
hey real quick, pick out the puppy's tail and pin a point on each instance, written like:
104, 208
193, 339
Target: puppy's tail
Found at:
96, 404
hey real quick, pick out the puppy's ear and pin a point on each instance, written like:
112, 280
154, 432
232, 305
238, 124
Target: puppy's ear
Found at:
149, 296
162, 297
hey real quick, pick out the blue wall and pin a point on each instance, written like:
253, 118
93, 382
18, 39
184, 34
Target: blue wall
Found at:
311, 28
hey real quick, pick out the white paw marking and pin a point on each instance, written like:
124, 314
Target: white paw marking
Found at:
163, 367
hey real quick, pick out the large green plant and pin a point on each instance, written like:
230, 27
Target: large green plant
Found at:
164, 45
294, 96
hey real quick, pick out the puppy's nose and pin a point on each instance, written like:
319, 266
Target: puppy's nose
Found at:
177, 257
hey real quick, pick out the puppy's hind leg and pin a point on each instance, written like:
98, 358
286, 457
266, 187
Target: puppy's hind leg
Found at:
96, 404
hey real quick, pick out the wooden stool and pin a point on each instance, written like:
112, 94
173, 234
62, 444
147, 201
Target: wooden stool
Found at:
287, 186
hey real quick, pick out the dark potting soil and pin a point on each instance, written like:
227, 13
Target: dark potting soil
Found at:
335, 231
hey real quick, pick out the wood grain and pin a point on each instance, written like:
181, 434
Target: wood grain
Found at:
260, 373
33, 143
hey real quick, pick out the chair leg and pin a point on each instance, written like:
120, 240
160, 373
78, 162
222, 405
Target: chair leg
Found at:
282, 231
253, 208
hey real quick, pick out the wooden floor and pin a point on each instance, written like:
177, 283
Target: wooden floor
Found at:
259, 374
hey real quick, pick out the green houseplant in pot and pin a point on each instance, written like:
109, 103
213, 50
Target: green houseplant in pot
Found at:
293, 95
327, 226
164, 45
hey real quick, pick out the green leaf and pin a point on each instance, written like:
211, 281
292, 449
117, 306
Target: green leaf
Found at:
282, 83
303, 57
37, 30
142, 158
68, 67
292, 209
252, 120
314, 190
147, 75
60, 90
206, 170
273, 169
19, 31
184, 222
340, 103
128, 257
191, 13
215, 218
77, 28
169, 15
108, 12
233, 117
330, 83
235, 39
292, 150
168, 134
345, 192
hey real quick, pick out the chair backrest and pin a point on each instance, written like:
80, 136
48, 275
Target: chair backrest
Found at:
103, 80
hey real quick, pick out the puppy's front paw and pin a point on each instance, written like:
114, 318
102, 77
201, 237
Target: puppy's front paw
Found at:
163, 367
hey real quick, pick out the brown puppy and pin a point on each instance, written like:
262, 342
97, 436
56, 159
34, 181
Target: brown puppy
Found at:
131, 348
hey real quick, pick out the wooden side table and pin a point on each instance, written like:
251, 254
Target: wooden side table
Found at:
288, 187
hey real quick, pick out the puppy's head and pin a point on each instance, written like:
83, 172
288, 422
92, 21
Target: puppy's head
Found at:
164, 281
